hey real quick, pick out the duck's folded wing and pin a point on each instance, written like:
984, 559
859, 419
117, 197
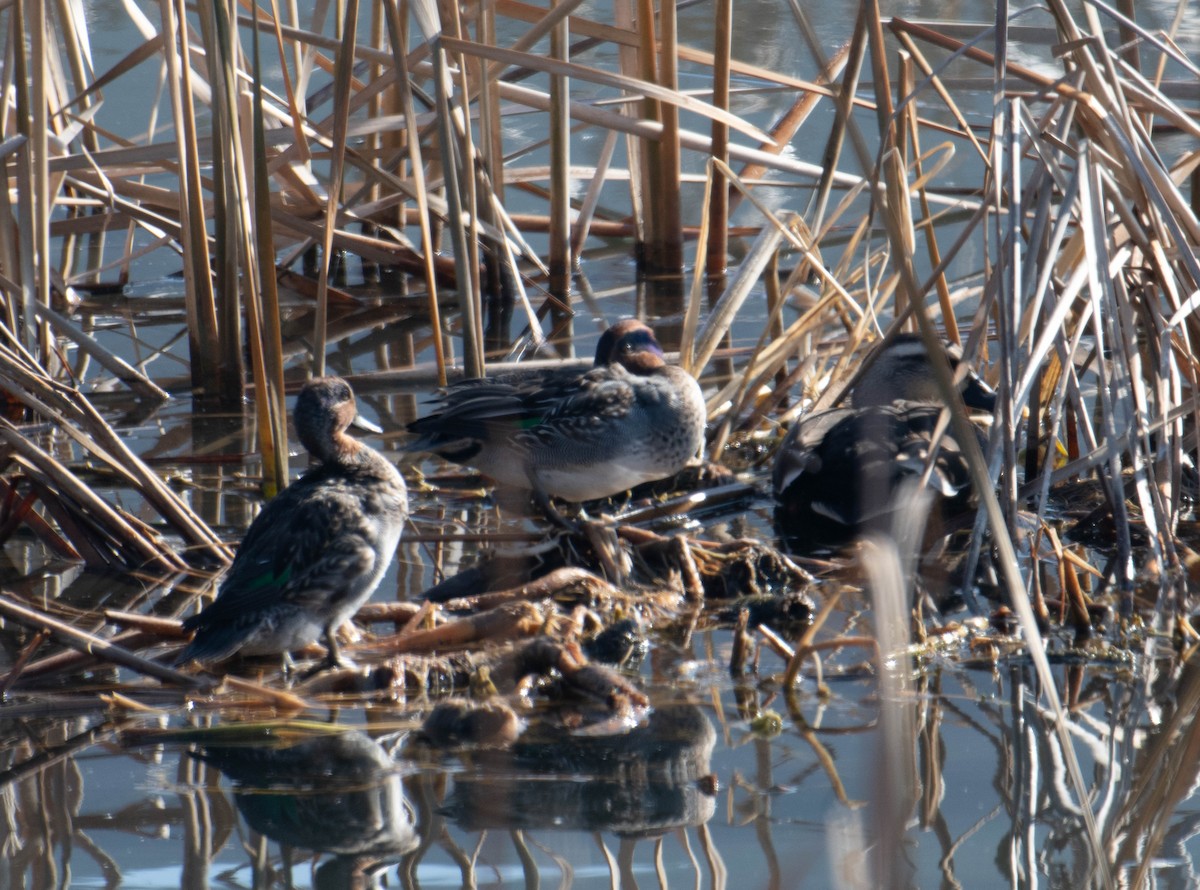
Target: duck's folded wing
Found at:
295, 545
593, 406
483, 409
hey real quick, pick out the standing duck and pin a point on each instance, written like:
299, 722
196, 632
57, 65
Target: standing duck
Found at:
575, 435
317, 551
838, 471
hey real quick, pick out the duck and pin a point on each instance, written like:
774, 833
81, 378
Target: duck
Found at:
317, 551
340, 792
574, 435
837, 473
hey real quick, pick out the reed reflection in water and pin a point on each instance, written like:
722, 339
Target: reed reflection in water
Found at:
696, 794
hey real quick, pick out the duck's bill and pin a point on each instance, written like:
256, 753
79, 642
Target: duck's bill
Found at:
978, 395
365, 425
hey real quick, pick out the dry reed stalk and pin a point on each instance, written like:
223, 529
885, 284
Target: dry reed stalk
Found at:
691, 314
949, 321
97, 646
667, 254
1004, 177
398, 37
648, 90
261, 301
490, 113
499, 267
457, 170
78, 419
40, 51
693, 141
897, 211
24, 245
231, 256
716, 216
940, 88
843, 122
9, 155
203, 332
376, 143
560, 164
649, 163
733, 297
789, 124
625, 17
343, 72
582, 227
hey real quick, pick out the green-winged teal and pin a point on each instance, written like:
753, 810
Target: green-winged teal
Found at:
575, 435
317, 551
837, 472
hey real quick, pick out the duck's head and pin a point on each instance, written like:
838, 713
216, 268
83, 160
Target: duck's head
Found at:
900, 371
632, 344
324, 409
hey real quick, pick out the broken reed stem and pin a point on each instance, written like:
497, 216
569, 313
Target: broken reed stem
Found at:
804, 645
91, 644
119, 530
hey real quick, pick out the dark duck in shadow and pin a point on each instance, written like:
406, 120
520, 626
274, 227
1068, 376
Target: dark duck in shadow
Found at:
574, 435
839, 472
317, 551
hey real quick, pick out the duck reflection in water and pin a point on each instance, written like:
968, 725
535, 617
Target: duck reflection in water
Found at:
643, 783
337, 794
